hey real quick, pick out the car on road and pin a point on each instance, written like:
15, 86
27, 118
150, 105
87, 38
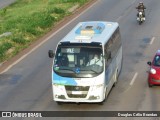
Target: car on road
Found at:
154, 72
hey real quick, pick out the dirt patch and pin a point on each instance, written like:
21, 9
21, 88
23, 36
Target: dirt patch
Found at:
73, 8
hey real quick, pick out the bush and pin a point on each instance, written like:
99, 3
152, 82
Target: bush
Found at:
41, 19
74, 1
28, 20
4, 47
19, 40
59, 11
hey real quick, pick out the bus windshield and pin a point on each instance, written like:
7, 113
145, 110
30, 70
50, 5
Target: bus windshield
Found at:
78, 60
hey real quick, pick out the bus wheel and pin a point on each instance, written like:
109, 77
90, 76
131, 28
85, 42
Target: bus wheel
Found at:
116, 79
59, 103
78, 103
101, 103
105, 95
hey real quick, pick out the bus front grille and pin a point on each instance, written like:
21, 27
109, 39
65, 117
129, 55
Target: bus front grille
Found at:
82, 89
77, 96
77, 88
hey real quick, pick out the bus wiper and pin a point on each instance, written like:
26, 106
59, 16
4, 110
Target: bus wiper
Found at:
93, 71
66, 68
89, 68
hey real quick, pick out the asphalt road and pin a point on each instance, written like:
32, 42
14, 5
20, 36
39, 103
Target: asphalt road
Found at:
27, 85
4, 3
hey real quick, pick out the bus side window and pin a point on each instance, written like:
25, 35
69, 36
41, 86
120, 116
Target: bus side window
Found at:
107, 57
108, 52
116, 42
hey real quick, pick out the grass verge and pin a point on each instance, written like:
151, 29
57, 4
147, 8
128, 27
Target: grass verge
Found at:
28, 20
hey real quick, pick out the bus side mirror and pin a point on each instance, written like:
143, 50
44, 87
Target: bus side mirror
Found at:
149, 63
50, 53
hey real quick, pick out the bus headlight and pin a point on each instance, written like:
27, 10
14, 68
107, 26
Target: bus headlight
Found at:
96, 87
96, 92
58, 91
58, 87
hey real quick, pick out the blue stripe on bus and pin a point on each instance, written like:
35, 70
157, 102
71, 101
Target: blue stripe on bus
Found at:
63, 80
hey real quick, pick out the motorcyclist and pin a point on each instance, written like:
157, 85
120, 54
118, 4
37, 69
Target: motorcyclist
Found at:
141, 8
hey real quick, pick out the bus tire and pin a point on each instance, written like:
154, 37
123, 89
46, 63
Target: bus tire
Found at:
101, 103
78, 103
105, 96
59, 103
116, 79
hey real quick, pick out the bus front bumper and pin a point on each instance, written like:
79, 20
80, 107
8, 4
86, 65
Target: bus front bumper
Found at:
91, 98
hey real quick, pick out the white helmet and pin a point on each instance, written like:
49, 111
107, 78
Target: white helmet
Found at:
140, 3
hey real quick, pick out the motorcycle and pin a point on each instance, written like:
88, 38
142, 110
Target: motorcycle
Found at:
140, 18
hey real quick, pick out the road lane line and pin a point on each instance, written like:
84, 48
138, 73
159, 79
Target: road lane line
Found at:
153, 38
118, 19
126, 11
49, 37
134, 78
133, 1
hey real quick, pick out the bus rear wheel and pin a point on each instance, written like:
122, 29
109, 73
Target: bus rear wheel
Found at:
105, 97
116, 79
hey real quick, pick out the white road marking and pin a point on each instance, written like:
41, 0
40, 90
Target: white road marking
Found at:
125, 12
10, 66
133, 1
118, 19
134, 78
153, 38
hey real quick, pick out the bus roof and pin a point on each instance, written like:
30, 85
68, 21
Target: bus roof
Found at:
91, 31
